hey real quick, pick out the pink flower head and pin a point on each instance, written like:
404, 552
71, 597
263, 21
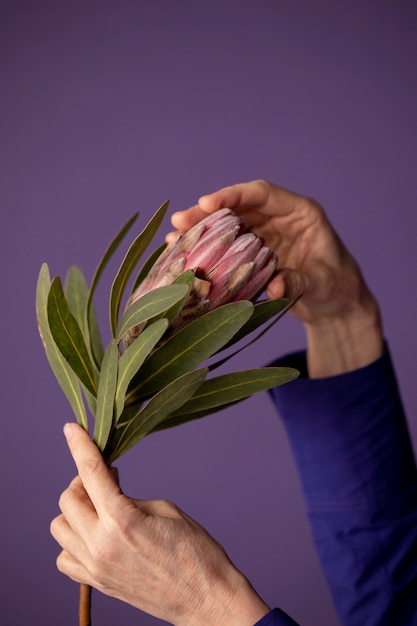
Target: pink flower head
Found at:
230, 263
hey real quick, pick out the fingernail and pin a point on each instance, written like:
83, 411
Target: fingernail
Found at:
68, 431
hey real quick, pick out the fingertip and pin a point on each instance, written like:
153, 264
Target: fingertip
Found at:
208, 204
275, 288
171, 237
176, 217
68, 430
288, 283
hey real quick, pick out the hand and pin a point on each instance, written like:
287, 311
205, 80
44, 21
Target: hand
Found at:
340, 314
146, 553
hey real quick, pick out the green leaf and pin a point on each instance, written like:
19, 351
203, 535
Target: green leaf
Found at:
91, 401
130, 262
234, 386
77, 294
133, 357
190, 346
187, 279
66, 378
149, 305
144, 271
105, 395
262, 312
227, 390
95, 341
96, 345
68, 336
183, 418
159, 406
283, 306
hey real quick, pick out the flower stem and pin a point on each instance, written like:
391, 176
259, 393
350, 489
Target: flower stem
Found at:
85, 605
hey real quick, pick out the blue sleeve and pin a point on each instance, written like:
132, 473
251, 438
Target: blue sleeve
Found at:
353, 454
276, 618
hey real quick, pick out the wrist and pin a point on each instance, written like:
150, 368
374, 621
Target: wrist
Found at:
345, 343
231, 603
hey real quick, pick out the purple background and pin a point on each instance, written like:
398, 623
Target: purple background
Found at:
109, 107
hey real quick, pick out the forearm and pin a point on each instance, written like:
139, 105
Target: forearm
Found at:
344, 344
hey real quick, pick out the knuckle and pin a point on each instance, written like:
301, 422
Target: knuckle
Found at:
53, 526
92, 466
60, 562
64, 498
97, 572
167, 508
102, 553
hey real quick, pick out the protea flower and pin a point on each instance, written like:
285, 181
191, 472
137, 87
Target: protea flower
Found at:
230, 263
160, 381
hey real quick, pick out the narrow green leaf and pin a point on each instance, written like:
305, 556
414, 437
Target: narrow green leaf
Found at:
91, 401
95, 341
105, 395
133, 358
144, 271
96, 345
225, 391
77, 294
66, 378
234, 386
262, 313
275, 319
68, 336
112, 247
187, 279
149, 305
184, 418
159, 406
130, 262
189, 347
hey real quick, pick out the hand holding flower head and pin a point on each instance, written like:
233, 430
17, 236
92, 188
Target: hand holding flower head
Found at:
336, 304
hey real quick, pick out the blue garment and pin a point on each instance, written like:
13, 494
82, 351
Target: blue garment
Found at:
353, 454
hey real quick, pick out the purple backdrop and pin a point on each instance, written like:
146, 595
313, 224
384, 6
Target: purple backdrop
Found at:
109, 107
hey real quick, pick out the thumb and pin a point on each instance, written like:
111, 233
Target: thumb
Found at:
100, 482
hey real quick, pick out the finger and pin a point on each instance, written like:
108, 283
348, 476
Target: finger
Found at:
72, 568
289, 284
233, 197
244, 198
184, 220
78, 509
228, 197
98, 480
171, 237
69, 540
